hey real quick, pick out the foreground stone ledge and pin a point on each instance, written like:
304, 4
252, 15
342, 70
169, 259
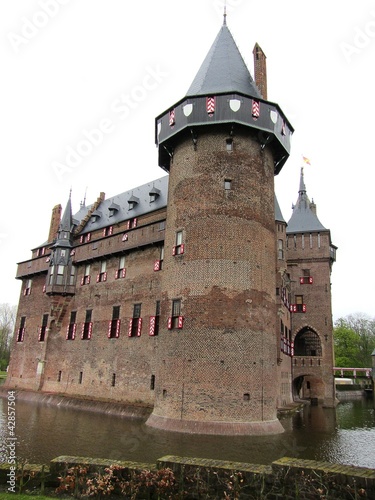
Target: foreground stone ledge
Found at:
178, 463
60, 464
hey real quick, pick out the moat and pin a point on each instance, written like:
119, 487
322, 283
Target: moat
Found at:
343, 435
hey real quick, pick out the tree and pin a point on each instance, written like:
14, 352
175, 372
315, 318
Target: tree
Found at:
354, 340
7, 322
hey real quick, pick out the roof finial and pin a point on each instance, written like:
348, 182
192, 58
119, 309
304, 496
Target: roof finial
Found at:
225, 14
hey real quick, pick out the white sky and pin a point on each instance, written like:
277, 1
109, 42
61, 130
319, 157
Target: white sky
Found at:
66, 68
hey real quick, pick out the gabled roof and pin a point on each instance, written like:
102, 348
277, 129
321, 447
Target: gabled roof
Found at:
303, 218
223, 70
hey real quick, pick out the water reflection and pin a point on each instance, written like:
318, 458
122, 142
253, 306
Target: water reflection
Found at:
345, 435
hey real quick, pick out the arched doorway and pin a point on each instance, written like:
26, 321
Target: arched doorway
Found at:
307, 343
308, 387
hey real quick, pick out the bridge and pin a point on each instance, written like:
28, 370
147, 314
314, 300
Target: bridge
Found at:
352, 372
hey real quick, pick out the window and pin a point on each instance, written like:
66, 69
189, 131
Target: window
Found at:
280, 249
114, 324
113, 382
85, 238
162, 225
102, 276
176, 320
229, 143
21, 329
72, 275
135, 324
86, 277
121, 271
227, 184
152, 383
306, 278
132, 222
43, 328
108, 231
59, 375
155, 320
40, 252
158, 264
87, 326
179, 247
307, 343
72, 327
60, 275
27, 290
298, 306
80, 378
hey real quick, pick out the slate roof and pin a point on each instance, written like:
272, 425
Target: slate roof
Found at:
223, 70
117, 208
278, 215
303, 218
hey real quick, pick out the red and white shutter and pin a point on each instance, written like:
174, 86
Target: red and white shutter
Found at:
125, 236
157, 265
116, 274
255, 109
90, 330
210, 105
135, 221
174, 250
139, 328
39, 333
310, 280
180, 322
130, 327
109, 329
151, 329
172, 117
74, 331
182, 248
170, 321
118, 324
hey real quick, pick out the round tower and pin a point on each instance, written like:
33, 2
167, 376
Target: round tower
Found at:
217, 353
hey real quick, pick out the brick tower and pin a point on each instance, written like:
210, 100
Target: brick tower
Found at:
222, 144
310, 256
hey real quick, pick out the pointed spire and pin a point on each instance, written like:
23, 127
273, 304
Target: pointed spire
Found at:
66, 221
223, 70
304, 218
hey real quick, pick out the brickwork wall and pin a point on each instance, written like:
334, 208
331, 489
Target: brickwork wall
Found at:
313, 253
221, 366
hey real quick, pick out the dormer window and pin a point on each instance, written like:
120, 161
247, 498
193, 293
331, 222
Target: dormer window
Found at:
113, 209
133, 202
95, 216
154, 194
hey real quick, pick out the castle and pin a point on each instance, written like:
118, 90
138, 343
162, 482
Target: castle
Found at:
191, 293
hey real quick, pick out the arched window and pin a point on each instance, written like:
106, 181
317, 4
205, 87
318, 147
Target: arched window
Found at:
307, 343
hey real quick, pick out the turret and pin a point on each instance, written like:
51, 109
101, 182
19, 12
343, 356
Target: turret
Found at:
222, 144
61, 272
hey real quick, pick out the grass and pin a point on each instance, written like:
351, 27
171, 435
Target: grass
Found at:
9, 496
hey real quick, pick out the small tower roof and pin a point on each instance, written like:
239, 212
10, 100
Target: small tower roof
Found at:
303, 218
223, 70
66, 220
278, 214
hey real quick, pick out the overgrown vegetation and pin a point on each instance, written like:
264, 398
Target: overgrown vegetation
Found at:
190, 482
354, 339
7, 322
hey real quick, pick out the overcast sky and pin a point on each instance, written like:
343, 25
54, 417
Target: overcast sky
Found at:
71, 68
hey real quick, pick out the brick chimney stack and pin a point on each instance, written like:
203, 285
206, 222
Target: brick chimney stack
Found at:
260, 70
55, 222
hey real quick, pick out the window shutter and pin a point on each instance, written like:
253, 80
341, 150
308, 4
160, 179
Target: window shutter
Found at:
83, 330
39, 333
104, 232
81, 239
105, 276
44, 288
172, 117
110, 231
139, 329
22, 334
90, 330
130, 327
135, 222
67, 333
304, 308
255, 109
98, 278
124, 272
82, 281
310, 280
125, 236
170, 323
151, 330
88, 279
109, 329
88, 236
182, 248
174, 251
74, 331
128, 225
116, 274
180, 321
157, 265
210, 105
118, 324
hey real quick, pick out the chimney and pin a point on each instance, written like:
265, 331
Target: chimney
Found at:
260, 70
55, 222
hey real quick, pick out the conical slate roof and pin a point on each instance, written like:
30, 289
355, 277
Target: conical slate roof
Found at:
66, 220
303, 218
223, 70
278, 214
